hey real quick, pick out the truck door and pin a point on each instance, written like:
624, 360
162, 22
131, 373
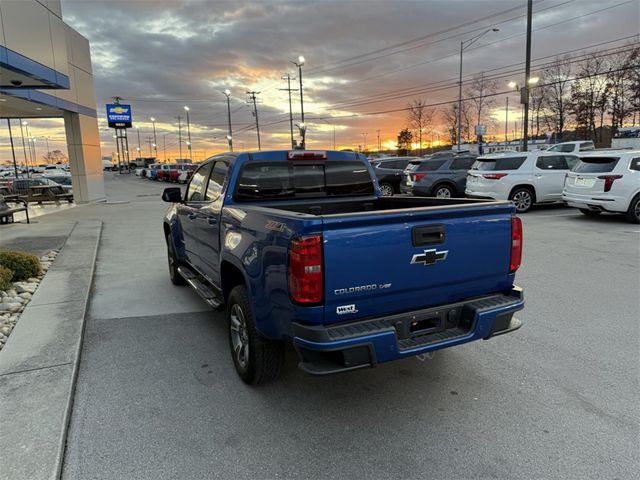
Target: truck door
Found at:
209, 222
188, 213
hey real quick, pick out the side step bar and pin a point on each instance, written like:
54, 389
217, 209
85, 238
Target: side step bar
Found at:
201, 288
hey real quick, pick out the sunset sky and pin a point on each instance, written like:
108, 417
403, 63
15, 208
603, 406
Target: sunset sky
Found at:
362, 57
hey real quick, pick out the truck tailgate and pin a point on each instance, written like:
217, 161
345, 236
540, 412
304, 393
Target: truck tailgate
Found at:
384, 263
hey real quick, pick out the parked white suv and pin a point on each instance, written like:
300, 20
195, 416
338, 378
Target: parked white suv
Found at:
572, 147
524, 178
605, 182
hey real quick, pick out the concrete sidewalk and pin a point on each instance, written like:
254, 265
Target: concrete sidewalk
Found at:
39, 364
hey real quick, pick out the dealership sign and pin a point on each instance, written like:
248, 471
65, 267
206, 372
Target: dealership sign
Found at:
119, 116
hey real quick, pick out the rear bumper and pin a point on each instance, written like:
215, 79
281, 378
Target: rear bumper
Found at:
600, 202
365, 343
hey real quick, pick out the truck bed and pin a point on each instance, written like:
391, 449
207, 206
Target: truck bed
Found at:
392, 204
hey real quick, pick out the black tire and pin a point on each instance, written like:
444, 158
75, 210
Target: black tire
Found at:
633, 213
442, 191
387, 189
174, 275
523, 199
590, 213
256, 358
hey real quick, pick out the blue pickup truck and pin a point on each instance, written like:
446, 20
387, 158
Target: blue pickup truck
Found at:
300, 246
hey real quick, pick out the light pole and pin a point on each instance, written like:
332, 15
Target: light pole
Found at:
180, 135
186, 109
155, 141
139, 148
506, 124
24, 147
466, 44
364, 141
227, 93
524, 100
299, 64
164, 146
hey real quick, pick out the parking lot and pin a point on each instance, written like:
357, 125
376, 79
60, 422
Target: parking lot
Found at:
157, 396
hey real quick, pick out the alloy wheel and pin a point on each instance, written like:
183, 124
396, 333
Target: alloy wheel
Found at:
239, 336
522, 200
443, 192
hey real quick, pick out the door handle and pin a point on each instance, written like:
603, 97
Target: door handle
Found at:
212, 220
192, 216
538, 176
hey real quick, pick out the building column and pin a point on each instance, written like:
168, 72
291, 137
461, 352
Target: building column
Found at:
85, 158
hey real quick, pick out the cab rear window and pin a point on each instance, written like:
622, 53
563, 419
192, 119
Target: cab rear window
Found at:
596, 165
506, 163
267, 181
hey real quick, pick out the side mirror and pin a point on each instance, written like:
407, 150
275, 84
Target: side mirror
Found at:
172, 195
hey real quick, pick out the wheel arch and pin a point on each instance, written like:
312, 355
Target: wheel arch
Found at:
527, 186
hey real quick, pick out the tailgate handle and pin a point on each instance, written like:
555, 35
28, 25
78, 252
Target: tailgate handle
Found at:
428, 235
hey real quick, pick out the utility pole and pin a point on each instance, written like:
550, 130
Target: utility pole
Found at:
180, 135
364, 143
524, 92
288, 77
378, 139
139, 146
252, 96
149, 139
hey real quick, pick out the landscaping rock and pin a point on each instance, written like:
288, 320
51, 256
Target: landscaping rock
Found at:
25, 288
25, 295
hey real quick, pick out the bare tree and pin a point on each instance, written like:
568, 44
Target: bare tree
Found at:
420, 118
590, 96
557, 95
480, 94
537, 103
449, 116
623, 67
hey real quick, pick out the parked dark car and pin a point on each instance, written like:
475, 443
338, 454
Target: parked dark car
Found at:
389, 173
438, 177
63, 180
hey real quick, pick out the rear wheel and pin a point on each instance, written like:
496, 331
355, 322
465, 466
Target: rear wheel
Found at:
256, 358
590, 213
522, 198
386, 189
174, 275
633, 214
443, 191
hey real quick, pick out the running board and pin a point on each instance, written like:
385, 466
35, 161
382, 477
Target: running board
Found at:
201, 288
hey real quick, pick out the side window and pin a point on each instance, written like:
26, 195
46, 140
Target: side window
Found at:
462, 163
571, 161
216, 181
635, 164
555, 162
195, 190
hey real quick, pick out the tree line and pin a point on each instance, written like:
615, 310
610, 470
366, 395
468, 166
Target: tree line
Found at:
587, 99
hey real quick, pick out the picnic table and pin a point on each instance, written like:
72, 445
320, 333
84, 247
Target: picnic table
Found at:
47, 193
8, 196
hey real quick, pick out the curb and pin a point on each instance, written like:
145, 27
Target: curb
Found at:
40, 362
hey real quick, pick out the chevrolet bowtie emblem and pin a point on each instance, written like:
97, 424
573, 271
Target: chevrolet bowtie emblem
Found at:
429, 257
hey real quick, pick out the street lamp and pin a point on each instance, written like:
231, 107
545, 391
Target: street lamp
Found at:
155, 141
186, 109
227, 93
24, 147
299, 64
466, 44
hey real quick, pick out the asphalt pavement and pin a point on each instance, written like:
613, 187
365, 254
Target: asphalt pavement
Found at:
157, 396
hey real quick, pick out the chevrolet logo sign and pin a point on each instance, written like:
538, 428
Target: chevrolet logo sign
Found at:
429, 257
119, 110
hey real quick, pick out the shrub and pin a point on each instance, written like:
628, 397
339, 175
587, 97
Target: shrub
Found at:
5, 278
23, 265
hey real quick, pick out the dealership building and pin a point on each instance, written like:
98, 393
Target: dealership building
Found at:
45, 71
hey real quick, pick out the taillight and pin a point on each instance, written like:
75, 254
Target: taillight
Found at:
419, 176
305, 270
516, 244
494, 176
608, 181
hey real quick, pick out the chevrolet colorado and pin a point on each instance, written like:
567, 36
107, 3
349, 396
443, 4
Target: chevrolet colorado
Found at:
301, 246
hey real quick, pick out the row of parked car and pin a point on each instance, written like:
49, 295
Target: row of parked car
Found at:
168, 172
594, 181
